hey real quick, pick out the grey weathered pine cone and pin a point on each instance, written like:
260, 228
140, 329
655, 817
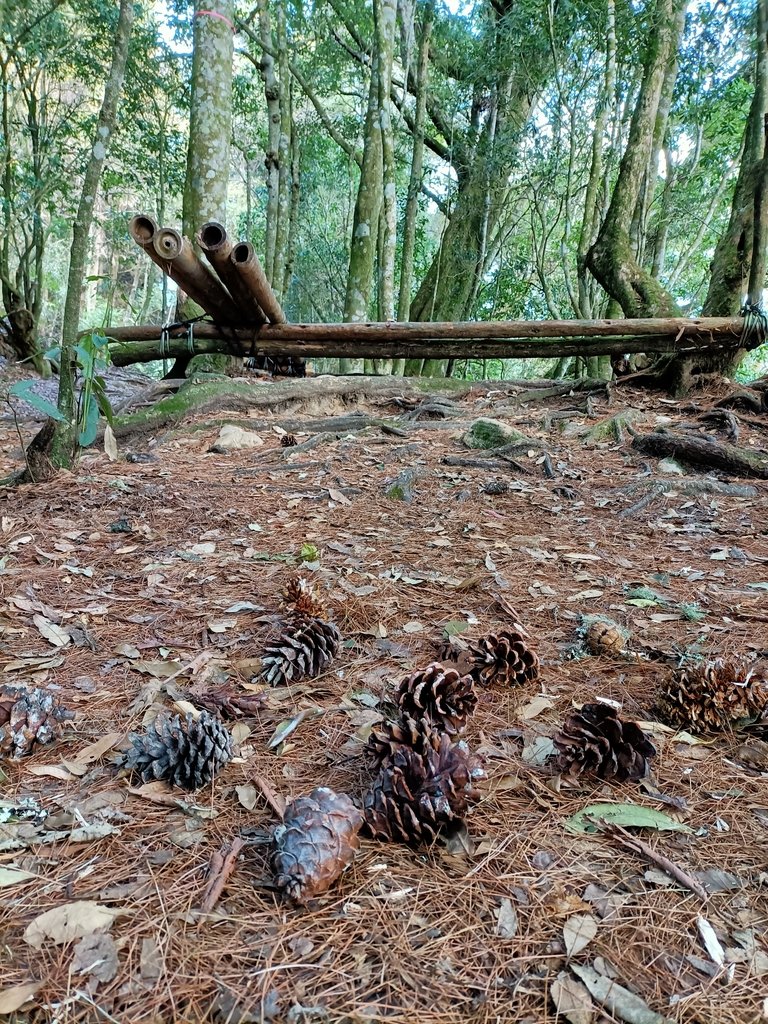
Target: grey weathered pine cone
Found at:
29, 717
184, 752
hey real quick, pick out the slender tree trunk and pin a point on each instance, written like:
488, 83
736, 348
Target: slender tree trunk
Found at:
733, 253
386, 23
63, 443
365, 224
210, 130
272, 155
283, 211
591, 214
611, 259
210, 120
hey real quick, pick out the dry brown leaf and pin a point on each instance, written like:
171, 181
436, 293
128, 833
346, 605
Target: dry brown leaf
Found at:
96, 955
578, 932
13, 998
69, 921
572, 1000
506, 920
96, 750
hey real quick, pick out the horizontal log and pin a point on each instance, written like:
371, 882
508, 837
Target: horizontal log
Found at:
522, 339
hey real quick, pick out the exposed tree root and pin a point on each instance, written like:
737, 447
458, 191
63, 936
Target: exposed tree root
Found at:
701, 451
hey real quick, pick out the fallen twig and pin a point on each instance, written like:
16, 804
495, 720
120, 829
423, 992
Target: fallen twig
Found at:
630, 842
221, 867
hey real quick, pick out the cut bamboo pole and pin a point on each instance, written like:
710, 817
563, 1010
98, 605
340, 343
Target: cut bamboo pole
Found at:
477, 340
217, 248
246, 264
181, 263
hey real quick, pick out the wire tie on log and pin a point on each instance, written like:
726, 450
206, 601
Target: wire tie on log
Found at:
191, 337
165, 342
215, 14
754, 330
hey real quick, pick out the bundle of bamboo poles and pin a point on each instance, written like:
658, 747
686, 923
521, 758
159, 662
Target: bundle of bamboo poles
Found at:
234, 293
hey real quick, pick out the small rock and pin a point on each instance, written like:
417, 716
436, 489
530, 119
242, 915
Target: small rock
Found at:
488, 433
671, 467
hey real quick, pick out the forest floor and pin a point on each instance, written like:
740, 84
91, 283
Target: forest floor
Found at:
136, 584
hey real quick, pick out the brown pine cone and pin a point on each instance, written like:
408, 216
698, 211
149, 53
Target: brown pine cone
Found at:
29, 717
595, 739
714, 696
317, 840
418, 795
305, 649
441, 694
504, 657
604, 636
388, 737
300, 596
288, 441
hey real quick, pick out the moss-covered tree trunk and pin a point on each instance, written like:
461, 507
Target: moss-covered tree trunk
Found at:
737, 269
733, 253
210, 130
417, 170
612, 258
368, 204
62, 446
386, 21
483, 159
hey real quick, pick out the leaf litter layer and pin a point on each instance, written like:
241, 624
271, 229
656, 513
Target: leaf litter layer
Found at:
134, 586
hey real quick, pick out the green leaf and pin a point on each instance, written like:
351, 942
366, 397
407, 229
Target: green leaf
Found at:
105, 406
89, 426
23, 389
589, 819
309, 552
455, 626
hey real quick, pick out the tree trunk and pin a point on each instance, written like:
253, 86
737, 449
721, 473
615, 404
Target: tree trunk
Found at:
365, 224
271, 156
386, 22
483, 159
63, 443
417, 167
733, 254
612, 259
210, 126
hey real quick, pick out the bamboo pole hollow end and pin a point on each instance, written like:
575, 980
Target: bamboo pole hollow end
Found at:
212, 236
168, 243
143, 230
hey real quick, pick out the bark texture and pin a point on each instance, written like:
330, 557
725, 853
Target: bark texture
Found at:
613, 259
63, 444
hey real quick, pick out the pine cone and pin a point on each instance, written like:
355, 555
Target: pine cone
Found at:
288, 441
185, 753
318, 839
306, 648
29, 717
440, 694
604, 636
504, 656
386, 739
596, 739
714, 696
419, 794
300, 595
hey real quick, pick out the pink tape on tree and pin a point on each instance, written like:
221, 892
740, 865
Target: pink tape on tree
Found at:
215, 14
